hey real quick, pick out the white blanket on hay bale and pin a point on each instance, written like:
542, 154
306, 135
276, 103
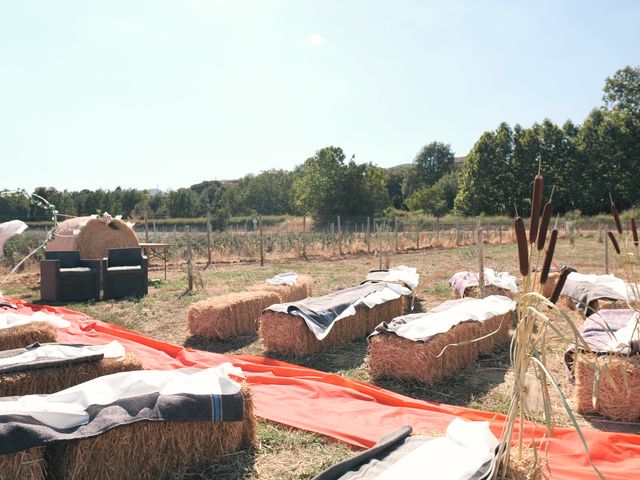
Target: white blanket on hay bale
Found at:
321, 313
420, 327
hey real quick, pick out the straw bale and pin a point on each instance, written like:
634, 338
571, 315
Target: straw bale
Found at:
289, 334
288, 293
153, 450
226, 316
92, 237
391, 356
474, 292
25, 465
23, 335
53, 379
617, 387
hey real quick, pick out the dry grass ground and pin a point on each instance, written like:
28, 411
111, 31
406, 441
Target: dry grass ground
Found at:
286, 454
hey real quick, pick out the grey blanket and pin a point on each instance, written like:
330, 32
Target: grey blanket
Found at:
43, 362
19, 432
584, 293
597, 332
323, 311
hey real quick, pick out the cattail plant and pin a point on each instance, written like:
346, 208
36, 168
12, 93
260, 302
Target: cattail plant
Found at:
536, 318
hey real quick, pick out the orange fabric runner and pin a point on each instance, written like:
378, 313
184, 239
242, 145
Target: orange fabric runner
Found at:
350, 411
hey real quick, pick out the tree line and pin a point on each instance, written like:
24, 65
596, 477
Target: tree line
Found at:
582, 165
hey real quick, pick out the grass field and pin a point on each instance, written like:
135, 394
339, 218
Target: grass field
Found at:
288, 454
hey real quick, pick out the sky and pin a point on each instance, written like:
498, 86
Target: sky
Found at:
166, 94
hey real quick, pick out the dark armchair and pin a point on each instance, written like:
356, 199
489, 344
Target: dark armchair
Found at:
125, 273
64, 277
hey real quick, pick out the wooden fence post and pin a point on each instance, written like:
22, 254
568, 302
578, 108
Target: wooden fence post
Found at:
339, 236
368, 235
146, 226
481, 261
209, 253
606, 254
417, 235
187, 236
395, 229
261, 241
304, 236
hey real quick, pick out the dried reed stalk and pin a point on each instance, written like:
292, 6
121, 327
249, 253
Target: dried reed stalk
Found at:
616, 390
544, 226
614, 241
226, 316
616, 217
548, 257
289, 334
53, 379
391, 356
152, 450
523, 249
24, 335
536, 205
25, 465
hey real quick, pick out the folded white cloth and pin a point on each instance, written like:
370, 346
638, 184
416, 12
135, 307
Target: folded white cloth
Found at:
458, 455
56, 351
423, 326
67, 408
11, 319
287, 278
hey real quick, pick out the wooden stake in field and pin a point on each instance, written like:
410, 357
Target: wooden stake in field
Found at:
187, 238
417, 235
606, 254
395, 230
208, 240
380, 246
339, 236
368, 235
481, 261
261, 241
304, 237
146, 226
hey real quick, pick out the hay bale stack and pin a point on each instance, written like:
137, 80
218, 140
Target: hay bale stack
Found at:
25, 465
24, 335
53, 379
617, 389
288, 293
226, 316
153, 450
391, 356
92, 237
289, 334
474, 292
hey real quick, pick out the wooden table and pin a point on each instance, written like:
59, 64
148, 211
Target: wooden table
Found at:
157, 250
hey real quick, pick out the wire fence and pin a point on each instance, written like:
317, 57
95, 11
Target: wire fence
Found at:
300, 238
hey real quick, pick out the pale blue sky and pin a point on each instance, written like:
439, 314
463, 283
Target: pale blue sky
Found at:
170, 93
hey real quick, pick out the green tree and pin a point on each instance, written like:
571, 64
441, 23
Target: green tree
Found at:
182, 203
486, 178
437, 199
432, 162
622, 91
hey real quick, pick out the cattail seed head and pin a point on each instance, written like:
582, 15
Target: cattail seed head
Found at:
544, 225
614, 241
523, 248
536, 205
616, 217
634, 231
560, 285
546, 265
